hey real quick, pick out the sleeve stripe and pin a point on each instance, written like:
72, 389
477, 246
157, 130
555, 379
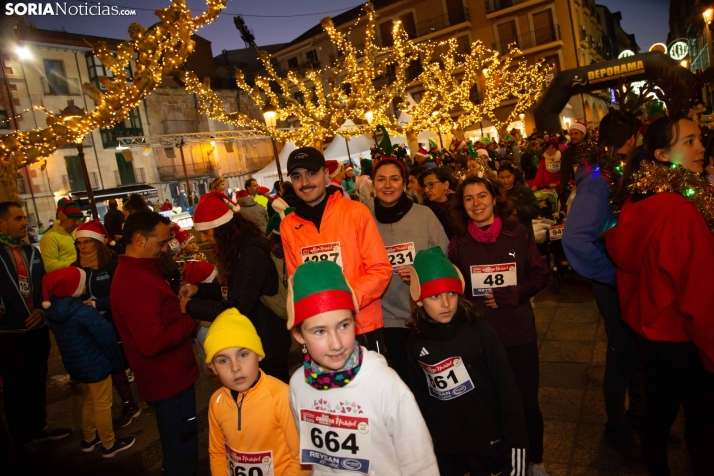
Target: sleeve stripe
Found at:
518, 462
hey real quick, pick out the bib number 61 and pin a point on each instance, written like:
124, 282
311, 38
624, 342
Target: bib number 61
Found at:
332, 443
235, 470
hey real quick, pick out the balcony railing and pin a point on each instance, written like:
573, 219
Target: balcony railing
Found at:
529, 40
175, 172
109, 136
180, 127
441, 22
59, 86
496, 5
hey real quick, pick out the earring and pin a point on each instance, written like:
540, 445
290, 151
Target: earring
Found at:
304, 349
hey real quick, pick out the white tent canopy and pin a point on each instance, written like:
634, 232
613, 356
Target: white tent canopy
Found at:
269, 174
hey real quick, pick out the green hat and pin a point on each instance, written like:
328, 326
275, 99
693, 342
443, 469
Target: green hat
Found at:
472, 151
274, 222
432, 144
385, 144
365, 166
67, 208
317, 287
433, 273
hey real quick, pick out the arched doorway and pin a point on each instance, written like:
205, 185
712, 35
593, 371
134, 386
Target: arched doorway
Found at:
588, 114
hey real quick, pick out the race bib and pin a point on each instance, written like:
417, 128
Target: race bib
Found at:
249, 464
401, 255
448, 379
556, 232
327, 252
24, 284
340, 442
552, 167
174, 245
492, 276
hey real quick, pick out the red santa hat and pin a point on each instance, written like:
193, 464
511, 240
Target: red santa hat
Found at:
184, 237
481, 150
263, 190
458, 145
199, 272
213, 210
579, 126
63, 282
334, 167
422, 152
95, 229
241, 193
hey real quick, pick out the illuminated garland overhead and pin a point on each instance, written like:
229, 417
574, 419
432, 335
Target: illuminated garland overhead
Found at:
158, 51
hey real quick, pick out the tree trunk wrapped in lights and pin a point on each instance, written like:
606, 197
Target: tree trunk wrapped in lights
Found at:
349, 89
159, 50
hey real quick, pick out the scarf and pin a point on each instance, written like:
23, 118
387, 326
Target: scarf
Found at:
8, 240
433, 330
89, 259
488, 235
394, 213
314, 214
322, 379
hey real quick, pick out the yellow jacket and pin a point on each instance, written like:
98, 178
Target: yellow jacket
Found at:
264, 425
261, 200
57, 248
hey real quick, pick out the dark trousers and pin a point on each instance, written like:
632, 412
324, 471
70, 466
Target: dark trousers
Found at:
524, 363
674, 376
373, 340
23, 366
623, 366
276, 341
121, 383
176, 419
395, 339
481, 464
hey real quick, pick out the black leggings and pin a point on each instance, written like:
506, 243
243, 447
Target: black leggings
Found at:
276, 341
525, 366
395, 339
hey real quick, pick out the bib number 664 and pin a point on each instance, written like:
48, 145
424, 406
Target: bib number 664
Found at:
332, 443
235, 470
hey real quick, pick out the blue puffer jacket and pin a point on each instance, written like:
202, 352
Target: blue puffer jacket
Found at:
86, 340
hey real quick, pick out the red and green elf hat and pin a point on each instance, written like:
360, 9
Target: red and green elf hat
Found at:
67, 208
433, 274
318, 287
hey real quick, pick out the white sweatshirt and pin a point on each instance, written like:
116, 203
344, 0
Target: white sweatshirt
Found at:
370, 426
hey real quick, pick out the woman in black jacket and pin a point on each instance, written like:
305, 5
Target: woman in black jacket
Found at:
524, 200
245, 272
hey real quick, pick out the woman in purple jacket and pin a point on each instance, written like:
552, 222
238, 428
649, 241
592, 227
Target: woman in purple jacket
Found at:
503, 270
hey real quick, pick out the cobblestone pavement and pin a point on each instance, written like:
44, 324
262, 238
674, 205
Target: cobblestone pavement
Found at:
572, 354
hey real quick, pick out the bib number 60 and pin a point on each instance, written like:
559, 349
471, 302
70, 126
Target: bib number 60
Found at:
331, 442
235, 470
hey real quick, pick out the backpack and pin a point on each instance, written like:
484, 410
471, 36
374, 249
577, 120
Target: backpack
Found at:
278, 302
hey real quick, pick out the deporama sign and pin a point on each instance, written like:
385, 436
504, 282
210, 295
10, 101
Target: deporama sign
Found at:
625, 69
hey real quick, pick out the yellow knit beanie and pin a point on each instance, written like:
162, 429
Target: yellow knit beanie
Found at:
231, 329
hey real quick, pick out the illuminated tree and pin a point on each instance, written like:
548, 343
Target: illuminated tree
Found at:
158, 51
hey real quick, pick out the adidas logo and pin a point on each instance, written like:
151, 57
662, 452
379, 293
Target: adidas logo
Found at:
423, 352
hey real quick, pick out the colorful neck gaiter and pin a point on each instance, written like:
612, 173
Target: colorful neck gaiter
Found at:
10, 241
322, 379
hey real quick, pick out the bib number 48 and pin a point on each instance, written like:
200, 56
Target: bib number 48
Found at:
332, 443
494, 280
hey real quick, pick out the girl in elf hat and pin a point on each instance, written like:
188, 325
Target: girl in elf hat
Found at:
503, 270
461, 378
353, 413
99, 263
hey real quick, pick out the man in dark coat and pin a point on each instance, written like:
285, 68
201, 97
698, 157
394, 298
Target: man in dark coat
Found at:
113, 220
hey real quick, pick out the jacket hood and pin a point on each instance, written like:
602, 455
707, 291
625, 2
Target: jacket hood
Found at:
62, 309
637, 224
247, 201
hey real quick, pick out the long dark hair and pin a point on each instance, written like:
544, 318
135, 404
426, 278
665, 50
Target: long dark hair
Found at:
514, 169
135, 203
228, 243
503, 208
663, 133
419, 315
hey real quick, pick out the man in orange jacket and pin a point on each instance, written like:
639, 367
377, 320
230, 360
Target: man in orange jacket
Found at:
325, 226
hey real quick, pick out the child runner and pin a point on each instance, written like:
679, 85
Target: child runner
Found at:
90, 354
461, 378
251, 428
354, 413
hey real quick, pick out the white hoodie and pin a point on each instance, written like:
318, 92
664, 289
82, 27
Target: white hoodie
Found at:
370, 426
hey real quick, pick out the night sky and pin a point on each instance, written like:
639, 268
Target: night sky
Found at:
648, 19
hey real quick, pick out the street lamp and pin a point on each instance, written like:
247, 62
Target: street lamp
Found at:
708, 15
72, 112
270, 113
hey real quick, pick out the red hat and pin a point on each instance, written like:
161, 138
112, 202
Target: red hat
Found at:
241, 193
94, 229
63, 282
67, 208
580, 126
333, 167
199, 272
184, 237
263, 190
422, 152
349, 167
213, 210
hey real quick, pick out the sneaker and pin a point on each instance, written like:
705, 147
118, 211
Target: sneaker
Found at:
626, 444
52, 432
88, 446
129, 375
127, 416
537, 470
120, 444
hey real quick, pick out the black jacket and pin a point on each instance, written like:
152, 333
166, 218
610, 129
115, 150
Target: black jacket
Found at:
567, 162
113, 221
481, 405
16, 310
526, 204
443, 214
254, 275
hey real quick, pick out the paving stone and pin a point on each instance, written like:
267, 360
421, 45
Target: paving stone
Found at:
565, 351
563, 375
560, 330
558, 441
560, 403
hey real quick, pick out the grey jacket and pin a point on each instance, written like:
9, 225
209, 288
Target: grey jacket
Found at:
254, 212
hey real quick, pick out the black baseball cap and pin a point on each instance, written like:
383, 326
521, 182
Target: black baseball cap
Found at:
306, 158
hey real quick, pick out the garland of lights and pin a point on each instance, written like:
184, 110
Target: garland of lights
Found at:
159, 50
656, 178
604, 163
